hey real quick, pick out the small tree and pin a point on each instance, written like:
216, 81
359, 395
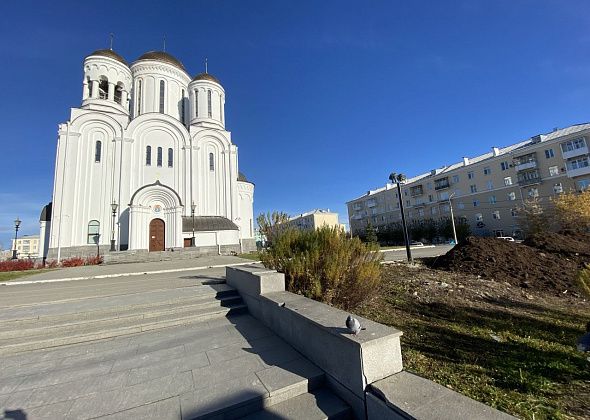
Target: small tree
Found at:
270, 224
370, 234
535, 217
572, 210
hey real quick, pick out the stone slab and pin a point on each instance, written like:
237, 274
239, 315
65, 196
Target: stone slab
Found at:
168, 409
416, 397
280, 379
166, 367
254, 280
65, 375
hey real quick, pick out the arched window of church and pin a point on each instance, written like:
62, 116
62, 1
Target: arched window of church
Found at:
118, 93
162, 89
103, 89
139, 92
148, 155
89, 87
211, 162
209, 109
170, 158
93, 232
97, 151
182, 104
159, 156
196, 103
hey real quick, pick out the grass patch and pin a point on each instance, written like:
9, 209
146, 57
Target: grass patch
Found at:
254, 256
14, 275
506, 347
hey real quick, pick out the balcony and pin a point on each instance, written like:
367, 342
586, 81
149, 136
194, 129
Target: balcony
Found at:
578, 167
440, 184
371, 203
524, 165
529, 178
568, 154
417, 190
357, 206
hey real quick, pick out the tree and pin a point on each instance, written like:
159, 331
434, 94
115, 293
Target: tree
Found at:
535, 217
271, 224
572, 210
370, 234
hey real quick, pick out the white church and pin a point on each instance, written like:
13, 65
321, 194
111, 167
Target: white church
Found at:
145, 163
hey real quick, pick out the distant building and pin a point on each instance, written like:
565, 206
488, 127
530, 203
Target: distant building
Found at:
26, 246
315, 219
485, 191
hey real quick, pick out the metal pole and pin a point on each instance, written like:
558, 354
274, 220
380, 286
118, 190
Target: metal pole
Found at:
193, 216
113, 232
453, 219
14, 257
406, 237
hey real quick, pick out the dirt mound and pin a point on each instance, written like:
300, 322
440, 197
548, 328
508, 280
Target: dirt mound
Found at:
564, 244
543, 268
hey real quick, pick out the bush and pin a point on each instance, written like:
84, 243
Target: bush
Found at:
72, 262
326, 265
93, 260
17, 265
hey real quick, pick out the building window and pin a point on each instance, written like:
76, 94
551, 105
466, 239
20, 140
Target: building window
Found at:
148, 155
553, 171
533, 192
196, 103
470, 175
170, 158
508, 181
98, 151
209, 108
583, 184
581, 162
473, 188
162, 92
496, 214
514, 212
493, 199
549, 153
430, 198
139, 94
475, 203
93, 232
211, 162
461, 206
511, 196
490, 185
504, 165
89, 87
558, 188
433, 210
159, 157
182, 105
103, 89
572, 145
479, 217
455, 179
118, 94
487, 170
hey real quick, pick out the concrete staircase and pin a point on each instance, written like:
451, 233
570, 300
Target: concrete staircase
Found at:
180, 353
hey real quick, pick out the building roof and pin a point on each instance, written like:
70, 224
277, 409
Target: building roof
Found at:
315, 211
206, 76
162, 56
207, 224
109, 54
46, 213
512, 149
242, 177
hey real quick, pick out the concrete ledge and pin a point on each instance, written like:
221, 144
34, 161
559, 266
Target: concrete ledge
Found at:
408, 396
318, 331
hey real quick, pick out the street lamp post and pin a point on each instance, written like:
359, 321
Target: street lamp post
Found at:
114, 206
97, 241
16, 226
453, 218
193, 208
399, 179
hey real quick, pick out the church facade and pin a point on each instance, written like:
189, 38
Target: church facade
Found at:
145, 163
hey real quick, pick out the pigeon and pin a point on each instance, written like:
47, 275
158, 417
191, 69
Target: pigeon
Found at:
583, 342
353, 325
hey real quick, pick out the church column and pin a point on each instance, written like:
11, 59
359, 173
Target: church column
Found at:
111, 96
124, 99
94, 88
85, 90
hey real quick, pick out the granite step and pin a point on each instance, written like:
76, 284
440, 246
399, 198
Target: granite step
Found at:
113, 318
320, 404
130, 325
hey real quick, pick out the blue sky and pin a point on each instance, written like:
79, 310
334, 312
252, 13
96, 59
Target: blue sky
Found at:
324, 98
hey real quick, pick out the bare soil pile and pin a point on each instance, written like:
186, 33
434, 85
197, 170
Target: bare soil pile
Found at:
548, 263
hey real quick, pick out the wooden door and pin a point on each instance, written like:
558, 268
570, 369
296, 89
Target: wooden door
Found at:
157, 235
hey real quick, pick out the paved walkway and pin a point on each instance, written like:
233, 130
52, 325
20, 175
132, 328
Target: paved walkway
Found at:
115, 270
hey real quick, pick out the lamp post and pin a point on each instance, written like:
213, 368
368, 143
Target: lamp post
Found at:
399, 179
453, 218
114, 206
16, 226
97, 241
193, 208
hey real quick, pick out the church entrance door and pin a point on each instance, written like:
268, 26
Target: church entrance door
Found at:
157, 235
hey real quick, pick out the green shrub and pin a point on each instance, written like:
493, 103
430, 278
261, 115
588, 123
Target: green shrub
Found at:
584, 279
326, 265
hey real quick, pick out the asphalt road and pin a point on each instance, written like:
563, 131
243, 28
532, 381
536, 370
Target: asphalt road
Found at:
417, 252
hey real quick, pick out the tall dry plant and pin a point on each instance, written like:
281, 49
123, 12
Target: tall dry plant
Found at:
326, 265
534, 216
572, 210
271, 224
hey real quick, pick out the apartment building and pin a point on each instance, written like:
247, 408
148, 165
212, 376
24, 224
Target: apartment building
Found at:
314, 219
27, 246
485, 190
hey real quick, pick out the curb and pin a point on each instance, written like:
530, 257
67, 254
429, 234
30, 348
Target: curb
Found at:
403, 249
138, 273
